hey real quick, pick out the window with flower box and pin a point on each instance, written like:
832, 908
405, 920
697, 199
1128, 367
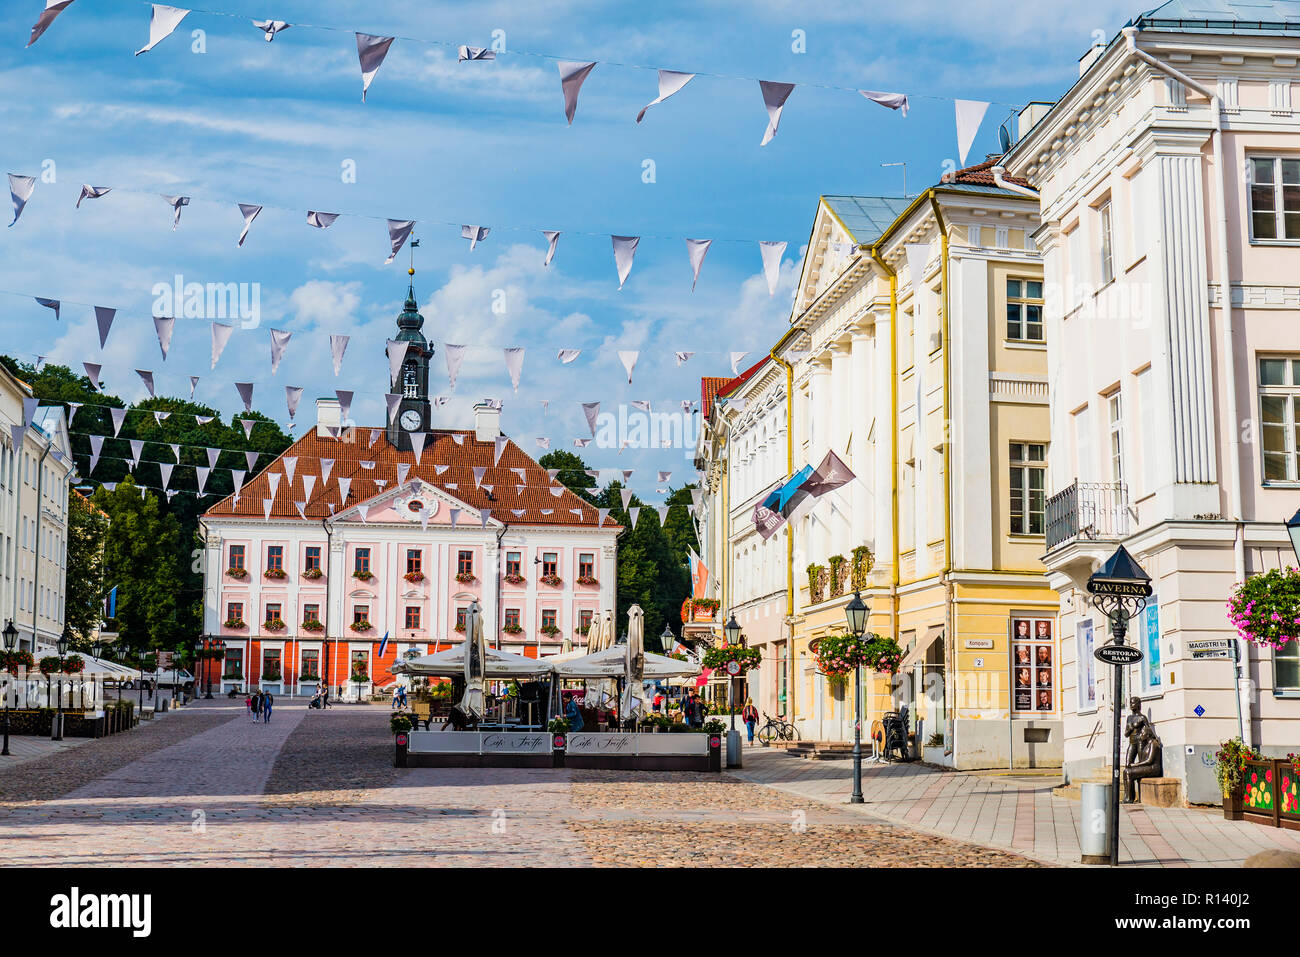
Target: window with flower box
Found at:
548, 619
461, 612
550, 563
236, 557
513, 563
414, 560
361, 561
412, 616
360, 613
273, 611
235, 611
465, 563
512, 625
274, 558
586, 566
311, 560
311, 612
584, 620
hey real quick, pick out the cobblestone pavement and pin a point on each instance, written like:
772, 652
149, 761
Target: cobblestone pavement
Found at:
207, 786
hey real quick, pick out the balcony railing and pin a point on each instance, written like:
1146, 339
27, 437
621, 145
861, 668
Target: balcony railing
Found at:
1091, 510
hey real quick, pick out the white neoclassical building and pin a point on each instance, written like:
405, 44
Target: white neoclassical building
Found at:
742, 453
35, 469
1170, 183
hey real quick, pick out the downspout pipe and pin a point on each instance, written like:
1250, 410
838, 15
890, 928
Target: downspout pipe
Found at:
999, 178
1225, 301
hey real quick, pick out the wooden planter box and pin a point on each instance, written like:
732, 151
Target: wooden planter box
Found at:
1232, 807
1270, 795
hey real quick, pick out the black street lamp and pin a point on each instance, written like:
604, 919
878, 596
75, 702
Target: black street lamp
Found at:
667, 638
856, 612
1120, 589
731, 634
62, 646
1293, 530
11, 639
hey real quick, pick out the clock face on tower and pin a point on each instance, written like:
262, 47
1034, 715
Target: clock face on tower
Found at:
410, 420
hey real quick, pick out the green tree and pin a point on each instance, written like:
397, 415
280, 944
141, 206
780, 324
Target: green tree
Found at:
572, 473
84, 593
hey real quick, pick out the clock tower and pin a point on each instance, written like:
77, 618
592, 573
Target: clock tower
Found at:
413, 411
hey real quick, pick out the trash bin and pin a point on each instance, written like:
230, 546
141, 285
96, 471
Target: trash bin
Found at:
1094, 823
733, 749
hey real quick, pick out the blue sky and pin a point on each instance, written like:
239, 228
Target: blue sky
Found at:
481, 143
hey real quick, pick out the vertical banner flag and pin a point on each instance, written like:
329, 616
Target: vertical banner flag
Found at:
572, 76
774, 97
162, 22
371, 51
699, 575
670, 81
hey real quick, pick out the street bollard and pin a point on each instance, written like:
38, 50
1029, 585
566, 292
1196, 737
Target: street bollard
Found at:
1094, 823
733, 748
403, 742
715, 752
559, 744
162, 705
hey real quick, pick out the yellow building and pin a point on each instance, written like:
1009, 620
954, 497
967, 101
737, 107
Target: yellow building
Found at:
916, 354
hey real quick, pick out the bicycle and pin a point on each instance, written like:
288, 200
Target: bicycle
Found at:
776, 729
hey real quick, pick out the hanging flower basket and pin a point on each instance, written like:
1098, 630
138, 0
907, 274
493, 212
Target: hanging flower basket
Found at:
360, 676
11, 661
414, 577
746, 657
313, 574
74, 665
838, 655
1265, 609
49, 664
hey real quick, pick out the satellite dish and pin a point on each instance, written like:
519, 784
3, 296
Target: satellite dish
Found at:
1004, 137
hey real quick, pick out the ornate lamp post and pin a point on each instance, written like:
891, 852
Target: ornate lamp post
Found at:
11, 639
856, 612
96, 649
1120, 589
667, 638
62, 646
732, 632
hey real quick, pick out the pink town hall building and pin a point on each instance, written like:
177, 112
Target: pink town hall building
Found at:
356, 533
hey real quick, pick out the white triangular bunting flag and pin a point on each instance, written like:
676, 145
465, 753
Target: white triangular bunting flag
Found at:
326, 466
250, 458
213, 455
52, 304
92, 192
475, 234
374, 437
670, 81
398, 232
194, 380
201, 474
96, 445
267, 505
403, 470
147, 378
514, 364
918, 254
292, 396
371, 51
970, 113
568, 355
248, 427
397, 350
552, 237
392, 399
165, 470
345, 488
624, 253
464, 53
249, 212
237, 477
104, 320
626, 495
453, 354
274, 480
417, 445
479, 472
591, 410
245, 390
52, 9
572, 76
220, 336
271, 27
20, 191
696, 250
628, 358
308, 484
161, 24
774, 97
164, 326
500, 446
118, 416
892, 101
345, 404
279, 340
663, 513
735, 362
72, 411
634, 514
338, 346
484, 515
771, 252
321, 220
543, 442
454, 515
601, 515
177, 203
290, 466
363, 510
301, 507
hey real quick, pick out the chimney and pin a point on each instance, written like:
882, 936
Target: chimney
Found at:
328, 413
1030, 116
487, 422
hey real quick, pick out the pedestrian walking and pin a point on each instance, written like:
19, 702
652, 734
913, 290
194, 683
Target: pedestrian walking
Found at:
397, 697
401, 691
248, 702
325, 701
267, 702
257, 706
749, 715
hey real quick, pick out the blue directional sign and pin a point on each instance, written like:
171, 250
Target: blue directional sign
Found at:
1200, 711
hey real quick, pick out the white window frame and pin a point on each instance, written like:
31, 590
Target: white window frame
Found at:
1106, 234
1115, 433
1279, 212
1019, 468
1290, 393
1024, 301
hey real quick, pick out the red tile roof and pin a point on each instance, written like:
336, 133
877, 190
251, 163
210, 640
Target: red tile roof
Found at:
981, 174
440, 449
734, 384
709, 387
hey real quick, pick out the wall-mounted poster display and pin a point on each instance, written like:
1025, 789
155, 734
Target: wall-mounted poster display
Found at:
1033, 665
1087, 665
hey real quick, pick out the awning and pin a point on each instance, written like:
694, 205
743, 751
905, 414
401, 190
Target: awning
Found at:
451, 664
612, 663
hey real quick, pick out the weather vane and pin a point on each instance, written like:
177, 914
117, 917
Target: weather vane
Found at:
410, 270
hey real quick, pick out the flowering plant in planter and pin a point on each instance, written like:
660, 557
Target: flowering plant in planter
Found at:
49, 664
1230, 766
313, 624
466, 578
308, 677
414, 577
746, 657
362, 625
512, 629
460, 627
233, 623
1265, 609
275, 573
74, 665
240, 573
514, 579
549, 630
363, 574
555, 581
270, 676
360, 676
588, 580
232, 676
13, 660
273, 624
313, 573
